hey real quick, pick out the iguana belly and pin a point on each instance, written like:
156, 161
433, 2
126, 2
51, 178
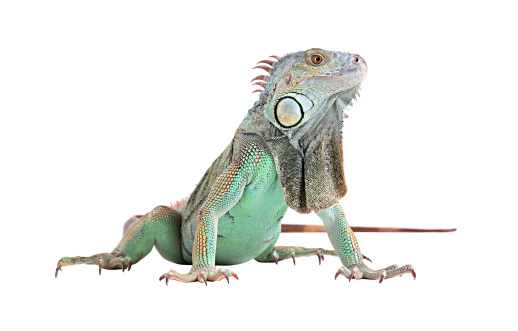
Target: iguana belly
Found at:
250, 227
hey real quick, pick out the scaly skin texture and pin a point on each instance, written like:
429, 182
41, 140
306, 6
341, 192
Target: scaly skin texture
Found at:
287, 152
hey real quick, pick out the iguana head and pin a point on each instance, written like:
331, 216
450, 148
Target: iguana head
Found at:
309, 83
300, 116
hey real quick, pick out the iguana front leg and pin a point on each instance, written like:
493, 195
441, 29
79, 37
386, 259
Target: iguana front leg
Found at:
226, 192
346, 246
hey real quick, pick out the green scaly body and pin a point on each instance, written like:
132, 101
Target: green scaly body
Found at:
286, 153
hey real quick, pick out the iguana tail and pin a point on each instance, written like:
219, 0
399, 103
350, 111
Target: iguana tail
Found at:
321, 228
308, 228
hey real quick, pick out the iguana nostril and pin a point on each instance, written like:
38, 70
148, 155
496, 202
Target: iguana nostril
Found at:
356, 60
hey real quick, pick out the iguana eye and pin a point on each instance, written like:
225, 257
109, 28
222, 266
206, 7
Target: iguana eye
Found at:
316, 59
288, 112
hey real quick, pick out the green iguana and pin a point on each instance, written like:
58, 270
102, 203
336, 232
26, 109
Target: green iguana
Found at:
287, 152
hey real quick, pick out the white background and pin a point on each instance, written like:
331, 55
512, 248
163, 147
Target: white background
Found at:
109, 108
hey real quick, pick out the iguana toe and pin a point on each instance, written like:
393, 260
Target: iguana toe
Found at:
104, 261
203, 275
280, 253
58, 268
361, 271
354, 272
320, 257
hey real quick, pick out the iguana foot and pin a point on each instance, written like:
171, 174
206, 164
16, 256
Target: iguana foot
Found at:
280, 253
104, 261
361, 271
199, 274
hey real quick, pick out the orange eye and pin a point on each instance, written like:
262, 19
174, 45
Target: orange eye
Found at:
317, 59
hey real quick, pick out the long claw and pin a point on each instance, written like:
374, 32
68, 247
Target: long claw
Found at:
320, 256
228, 280
202, 278
338, 273
351, 276
100, 264
58, 268
234, 275
382, 278
366, 258
275, 257
129, 265
257, 91
414, 274
293, 257
123, 266
274, 56
166, 276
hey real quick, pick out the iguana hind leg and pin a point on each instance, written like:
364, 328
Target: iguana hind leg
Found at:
279, 253
159, 228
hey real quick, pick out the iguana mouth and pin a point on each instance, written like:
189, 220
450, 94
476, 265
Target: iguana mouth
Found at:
346, 71
346, 86
348, 77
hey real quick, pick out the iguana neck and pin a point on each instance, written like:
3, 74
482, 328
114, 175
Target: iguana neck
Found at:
309, 162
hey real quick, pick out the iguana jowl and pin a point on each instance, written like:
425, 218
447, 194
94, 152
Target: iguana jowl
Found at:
287, 152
